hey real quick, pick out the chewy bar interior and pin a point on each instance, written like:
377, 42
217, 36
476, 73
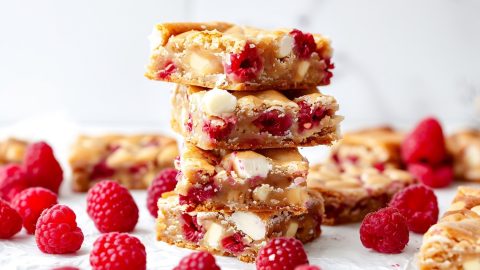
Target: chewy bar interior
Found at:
214, 118
261, 180
374, 147
352, 193
232, 57
454, 242
239, 233
12, 151
132, 160
465, 149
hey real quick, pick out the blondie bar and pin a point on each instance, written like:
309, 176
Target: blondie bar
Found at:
464, 147
373, 147
454, 242
132, 160
12, 151
227, 56
267, 179
352, 193
214, 118
240, 233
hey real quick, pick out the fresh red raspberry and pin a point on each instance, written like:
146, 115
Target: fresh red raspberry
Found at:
418, 204
435, 177
197, 261
274, 122
309, 117
191, 229
111, 207
101, 171
426, 143
246, 65
10, 221
12, 181
31, 202
329, 66
218, 128
57, 232
165, 181
281, 253
118, 251
385, 231
198, 194
234, 243
307, 267
168, 69
42, 168
304, 44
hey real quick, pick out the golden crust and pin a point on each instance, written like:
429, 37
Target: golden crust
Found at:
12, 150
464, 146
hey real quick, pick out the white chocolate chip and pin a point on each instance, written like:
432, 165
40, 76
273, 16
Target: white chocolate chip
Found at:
262, 192
204, 64
155, 39
214, 234
292, 229
218, 102
285, 46
302, 69
248, 164
250, 223
472, 154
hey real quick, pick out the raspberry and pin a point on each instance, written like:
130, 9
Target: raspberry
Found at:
281, 253
309, 117
168, 69
425, 144
57, 232
328, 76
246, 65
274, 122
111, 207
385, 231
234, 243
12, 181
307, 267
418, 204
118, 251
304, 44
41, 167
191, 229
31, 202
165, 181
101, 171
197, 261
10, 221
196, 195
435, 177
218, 128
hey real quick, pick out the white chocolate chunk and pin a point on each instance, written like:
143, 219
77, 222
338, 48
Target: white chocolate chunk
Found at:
204, 64
250, 223
285, 46
218, 102
262, 192
248, 164
292, 229
155, 39
472, 154
302, 70
214, 235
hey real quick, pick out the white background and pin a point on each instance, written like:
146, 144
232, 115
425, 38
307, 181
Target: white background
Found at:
396, 60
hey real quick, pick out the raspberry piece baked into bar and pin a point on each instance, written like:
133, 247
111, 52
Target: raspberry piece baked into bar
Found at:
351, 194
373, 147
12, 151
240, 233
267, 179
465, 149
132, 160
454, 242
214, 118
232, 57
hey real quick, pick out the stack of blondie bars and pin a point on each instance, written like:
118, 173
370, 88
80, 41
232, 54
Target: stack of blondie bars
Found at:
245, 99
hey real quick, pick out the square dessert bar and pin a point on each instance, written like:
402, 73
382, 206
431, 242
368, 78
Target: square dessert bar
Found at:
214, 118
132, 160
227, 56
374, 147
240, 233
464, 147
12, 151
268, 179
454, 242
353, 193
